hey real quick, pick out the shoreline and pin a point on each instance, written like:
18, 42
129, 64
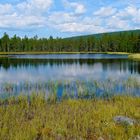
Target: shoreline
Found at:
6, 54
133, 56
25, 53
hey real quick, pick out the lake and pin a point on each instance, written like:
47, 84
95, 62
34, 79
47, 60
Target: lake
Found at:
16, 71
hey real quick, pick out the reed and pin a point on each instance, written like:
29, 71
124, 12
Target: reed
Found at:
74, 89
34, 117
134, 56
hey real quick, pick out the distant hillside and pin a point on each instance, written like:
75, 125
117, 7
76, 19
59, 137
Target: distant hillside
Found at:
108, 33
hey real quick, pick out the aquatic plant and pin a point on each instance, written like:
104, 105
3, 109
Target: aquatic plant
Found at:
74, 89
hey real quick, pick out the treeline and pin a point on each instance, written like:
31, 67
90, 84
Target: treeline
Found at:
128, 41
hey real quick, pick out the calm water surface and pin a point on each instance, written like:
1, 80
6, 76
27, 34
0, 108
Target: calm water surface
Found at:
19, 69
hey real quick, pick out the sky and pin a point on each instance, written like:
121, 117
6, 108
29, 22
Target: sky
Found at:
65, 18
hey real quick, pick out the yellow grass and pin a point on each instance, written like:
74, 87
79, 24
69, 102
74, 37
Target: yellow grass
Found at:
135, 56
68, 120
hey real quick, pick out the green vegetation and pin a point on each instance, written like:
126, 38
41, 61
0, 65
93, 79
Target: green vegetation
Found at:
74, 89
72, 115
36, 118
135, 56
128, 41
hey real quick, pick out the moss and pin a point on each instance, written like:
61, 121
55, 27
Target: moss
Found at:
68, 119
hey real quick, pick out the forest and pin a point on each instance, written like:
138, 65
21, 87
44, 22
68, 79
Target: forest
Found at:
125, 41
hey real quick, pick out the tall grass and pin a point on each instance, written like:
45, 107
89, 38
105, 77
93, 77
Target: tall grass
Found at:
74, 89
134, 56
35, 118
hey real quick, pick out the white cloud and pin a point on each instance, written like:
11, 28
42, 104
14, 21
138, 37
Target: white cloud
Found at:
127, 13
34, 6
117, 23
130, 13
61, 17
102, 20
73, 23
26, 14
15, 21
5, 8
105, 11
78, 7
80, 27
41, 4
74, 18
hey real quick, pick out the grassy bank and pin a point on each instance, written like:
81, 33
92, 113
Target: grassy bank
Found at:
21, 118
6, 54
135, 56
118, 53
16, 53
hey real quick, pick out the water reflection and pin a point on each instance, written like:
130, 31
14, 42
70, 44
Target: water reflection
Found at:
73, 89
18, 70
71, 56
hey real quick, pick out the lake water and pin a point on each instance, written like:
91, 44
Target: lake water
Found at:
32, 69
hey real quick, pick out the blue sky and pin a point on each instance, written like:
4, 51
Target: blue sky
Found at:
65, 18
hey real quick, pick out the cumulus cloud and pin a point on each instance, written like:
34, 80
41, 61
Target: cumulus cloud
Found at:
80, 27
103, 20
61, 17
34, 6
21, 21
127, 13
105, 11
117, 23
130, 13
5, 8
27, 14
73, 17
73, 23
78, 7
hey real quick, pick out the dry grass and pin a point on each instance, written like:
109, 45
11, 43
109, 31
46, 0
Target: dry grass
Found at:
135, 56
37, 119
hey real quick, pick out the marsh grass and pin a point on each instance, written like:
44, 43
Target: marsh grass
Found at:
40, 119
74, 89
134, 56
82, 110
